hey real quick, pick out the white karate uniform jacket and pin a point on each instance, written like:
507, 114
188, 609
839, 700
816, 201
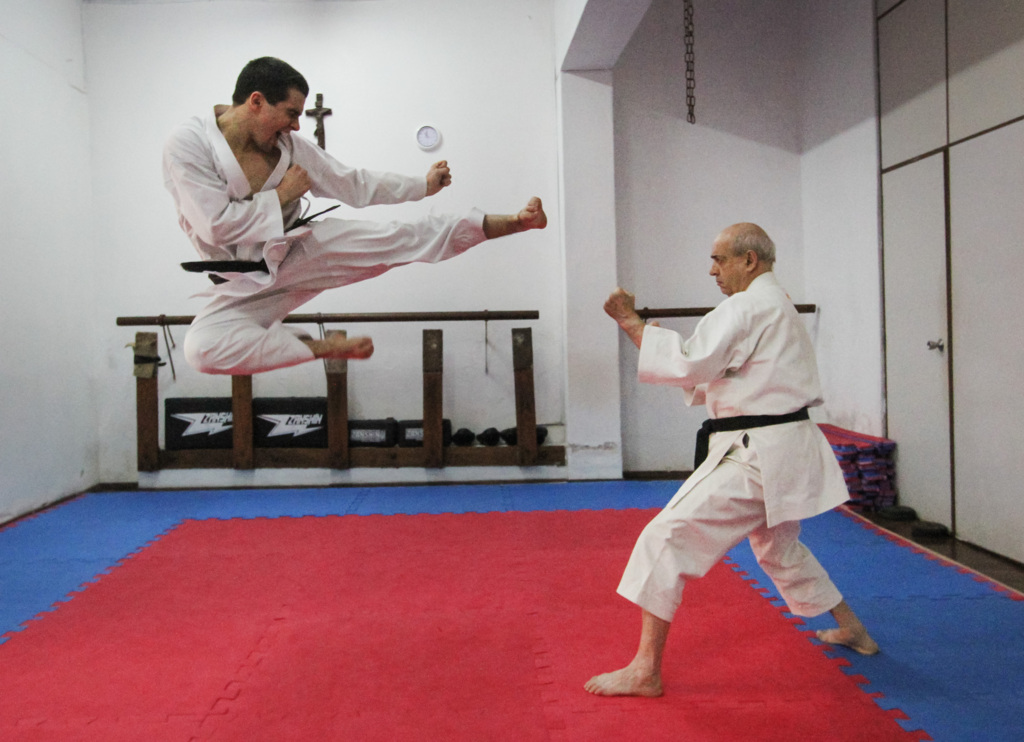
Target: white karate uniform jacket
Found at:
752, 356
240, 330
225, 221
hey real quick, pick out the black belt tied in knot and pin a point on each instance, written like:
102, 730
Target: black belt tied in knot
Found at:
740, 422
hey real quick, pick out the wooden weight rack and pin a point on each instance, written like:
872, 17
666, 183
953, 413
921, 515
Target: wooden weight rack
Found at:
339, 454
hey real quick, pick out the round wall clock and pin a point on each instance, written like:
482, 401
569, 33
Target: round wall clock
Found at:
428, 137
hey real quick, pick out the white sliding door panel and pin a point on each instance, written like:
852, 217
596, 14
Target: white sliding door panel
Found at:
917, 387
912, 71
986, 64
987, 229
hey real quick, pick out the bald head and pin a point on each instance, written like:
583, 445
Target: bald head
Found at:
747, 236
740, 254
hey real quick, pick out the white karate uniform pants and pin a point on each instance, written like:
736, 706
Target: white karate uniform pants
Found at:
686, 539
244, 334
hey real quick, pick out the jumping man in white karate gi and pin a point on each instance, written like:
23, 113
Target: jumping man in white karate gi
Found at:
237, 174
751, 362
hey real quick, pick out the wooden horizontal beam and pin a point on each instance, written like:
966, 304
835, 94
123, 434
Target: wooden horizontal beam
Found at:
163, 320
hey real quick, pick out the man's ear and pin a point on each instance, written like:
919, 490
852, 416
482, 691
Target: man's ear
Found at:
256, 99
751, 259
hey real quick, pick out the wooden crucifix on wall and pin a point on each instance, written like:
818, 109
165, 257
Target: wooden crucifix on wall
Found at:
318, 113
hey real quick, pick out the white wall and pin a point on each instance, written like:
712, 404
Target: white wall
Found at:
785, 103
785, 137
566, 15
590, 37
594, 430
591, 34
839, 183
481, 71
679, 184
47, 285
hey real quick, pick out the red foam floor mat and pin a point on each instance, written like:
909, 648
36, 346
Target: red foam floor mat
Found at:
427, 627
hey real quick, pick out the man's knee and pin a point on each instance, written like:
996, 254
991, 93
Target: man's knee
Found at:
220, 352
204, 354
779, 545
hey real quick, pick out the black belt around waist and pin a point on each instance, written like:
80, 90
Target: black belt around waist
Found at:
740, 422
225, 266
244, 266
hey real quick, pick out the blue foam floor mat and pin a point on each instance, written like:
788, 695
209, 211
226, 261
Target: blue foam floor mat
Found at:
952, 658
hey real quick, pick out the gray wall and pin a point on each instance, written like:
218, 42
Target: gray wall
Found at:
48, 338
785, 137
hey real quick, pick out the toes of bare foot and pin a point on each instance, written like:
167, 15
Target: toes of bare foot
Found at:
861, 643
533, 216
360, 348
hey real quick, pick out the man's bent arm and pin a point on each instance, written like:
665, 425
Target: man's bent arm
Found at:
352, 186
201, 196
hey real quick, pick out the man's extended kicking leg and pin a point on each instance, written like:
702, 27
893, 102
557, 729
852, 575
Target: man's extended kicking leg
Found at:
531, 216
243, 334
642, 676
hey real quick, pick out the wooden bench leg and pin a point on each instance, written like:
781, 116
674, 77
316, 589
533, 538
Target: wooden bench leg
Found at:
147, 404
526, 411
433, 397
241, 420
337, 409
147, 424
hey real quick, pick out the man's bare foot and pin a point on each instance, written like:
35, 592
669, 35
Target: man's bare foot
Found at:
628, 681
859, 641
851, 632
338, 346
531, 216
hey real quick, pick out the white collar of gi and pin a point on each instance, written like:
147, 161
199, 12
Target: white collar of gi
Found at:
765, 279
238, 184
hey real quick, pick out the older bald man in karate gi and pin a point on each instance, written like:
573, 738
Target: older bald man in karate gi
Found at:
751, 362
237, 175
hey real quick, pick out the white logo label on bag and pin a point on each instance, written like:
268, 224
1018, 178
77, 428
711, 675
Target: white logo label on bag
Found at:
210, 423
293, 425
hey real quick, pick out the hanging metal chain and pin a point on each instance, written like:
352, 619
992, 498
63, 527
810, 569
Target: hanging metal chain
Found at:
691, 81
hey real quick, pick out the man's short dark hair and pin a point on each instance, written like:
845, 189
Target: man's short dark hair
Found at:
270, 76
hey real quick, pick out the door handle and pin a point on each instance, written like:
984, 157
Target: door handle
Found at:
938, 345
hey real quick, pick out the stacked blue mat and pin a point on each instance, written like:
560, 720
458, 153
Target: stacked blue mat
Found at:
869, 467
